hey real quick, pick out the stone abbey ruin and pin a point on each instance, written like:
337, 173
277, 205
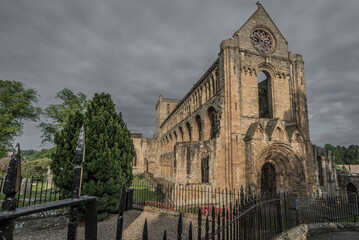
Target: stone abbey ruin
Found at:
243, 123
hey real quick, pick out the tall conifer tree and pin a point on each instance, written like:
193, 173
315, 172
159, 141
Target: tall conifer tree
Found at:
108, 154
62, 164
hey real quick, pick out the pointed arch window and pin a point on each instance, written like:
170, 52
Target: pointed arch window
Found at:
264, 95
199, 126
205, 170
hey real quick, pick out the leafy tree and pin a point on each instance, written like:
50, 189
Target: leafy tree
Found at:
16, 105
35, 169
109, 152
43, 153
25, 154
345, 155
59, 113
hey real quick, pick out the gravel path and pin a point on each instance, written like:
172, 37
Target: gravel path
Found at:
133, 227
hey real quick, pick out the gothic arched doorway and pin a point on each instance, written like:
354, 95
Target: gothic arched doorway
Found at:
268, 178
351, 188
352, 193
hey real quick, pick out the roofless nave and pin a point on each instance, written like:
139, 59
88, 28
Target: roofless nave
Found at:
245, 122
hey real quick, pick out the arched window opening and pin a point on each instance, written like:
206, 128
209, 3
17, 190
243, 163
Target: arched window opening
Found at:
145, 162
175, 134
189, 130
320, 171
264, 95
134, 160
199, 127
213, 87
205, 170
212, 119
188, 161
168, 108
181, 132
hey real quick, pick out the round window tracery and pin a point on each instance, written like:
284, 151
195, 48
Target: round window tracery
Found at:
262, 40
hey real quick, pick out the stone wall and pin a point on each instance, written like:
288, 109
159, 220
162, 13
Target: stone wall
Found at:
38, 221
325, 171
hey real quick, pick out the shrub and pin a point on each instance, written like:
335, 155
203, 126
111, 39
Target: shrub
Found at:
35, 169
140, 176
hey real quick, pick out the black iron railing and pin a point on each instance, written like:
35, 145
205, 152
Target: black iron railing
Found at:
181, 198
12, 187
251, 216
34, 191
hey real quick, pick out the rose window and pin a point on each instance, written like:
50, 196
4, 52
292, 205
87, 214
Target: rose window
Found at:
262, 41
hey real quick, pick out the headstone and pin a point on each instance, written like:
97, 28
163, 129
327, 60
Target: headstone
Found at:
26, 185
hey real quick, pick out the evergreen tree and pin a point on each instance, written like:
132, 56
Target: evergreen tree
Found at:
108, 154
63, 163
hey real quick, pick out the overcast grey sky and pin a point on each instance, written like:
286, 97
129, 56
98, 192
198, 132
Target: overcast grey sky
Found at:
137, 49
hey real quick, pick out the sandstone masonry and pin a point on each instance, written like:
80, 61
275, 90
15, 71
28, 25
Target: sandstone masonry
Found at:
243, 123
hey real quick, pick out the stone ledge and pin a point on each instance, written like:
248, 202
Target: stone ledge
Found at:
42, 220
319, 228
303, 231
298, 233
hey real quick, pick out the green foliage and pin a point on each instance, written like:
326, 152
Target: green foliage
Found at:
25, 154
345, 155
62, 164
109, 152
342, 169
35, 169
139, 176
16, 105
59, 113
31, 155
4, 163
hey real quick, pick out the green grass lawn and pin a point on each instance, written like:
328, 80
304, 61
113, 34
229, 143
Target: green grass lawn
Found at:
34, 197
143, 192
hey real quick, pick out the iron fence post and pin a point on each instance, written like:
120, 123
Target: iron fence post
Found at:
76, 187
279, 215
91, 221
199, 224
355, 207
145, 231
179, 228
190, 231
11, 187
297, 212
207, 229
213, 222
121, 210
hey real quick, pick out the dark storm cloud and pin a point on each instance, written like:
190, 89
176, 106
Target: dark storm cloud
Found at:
136, 50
